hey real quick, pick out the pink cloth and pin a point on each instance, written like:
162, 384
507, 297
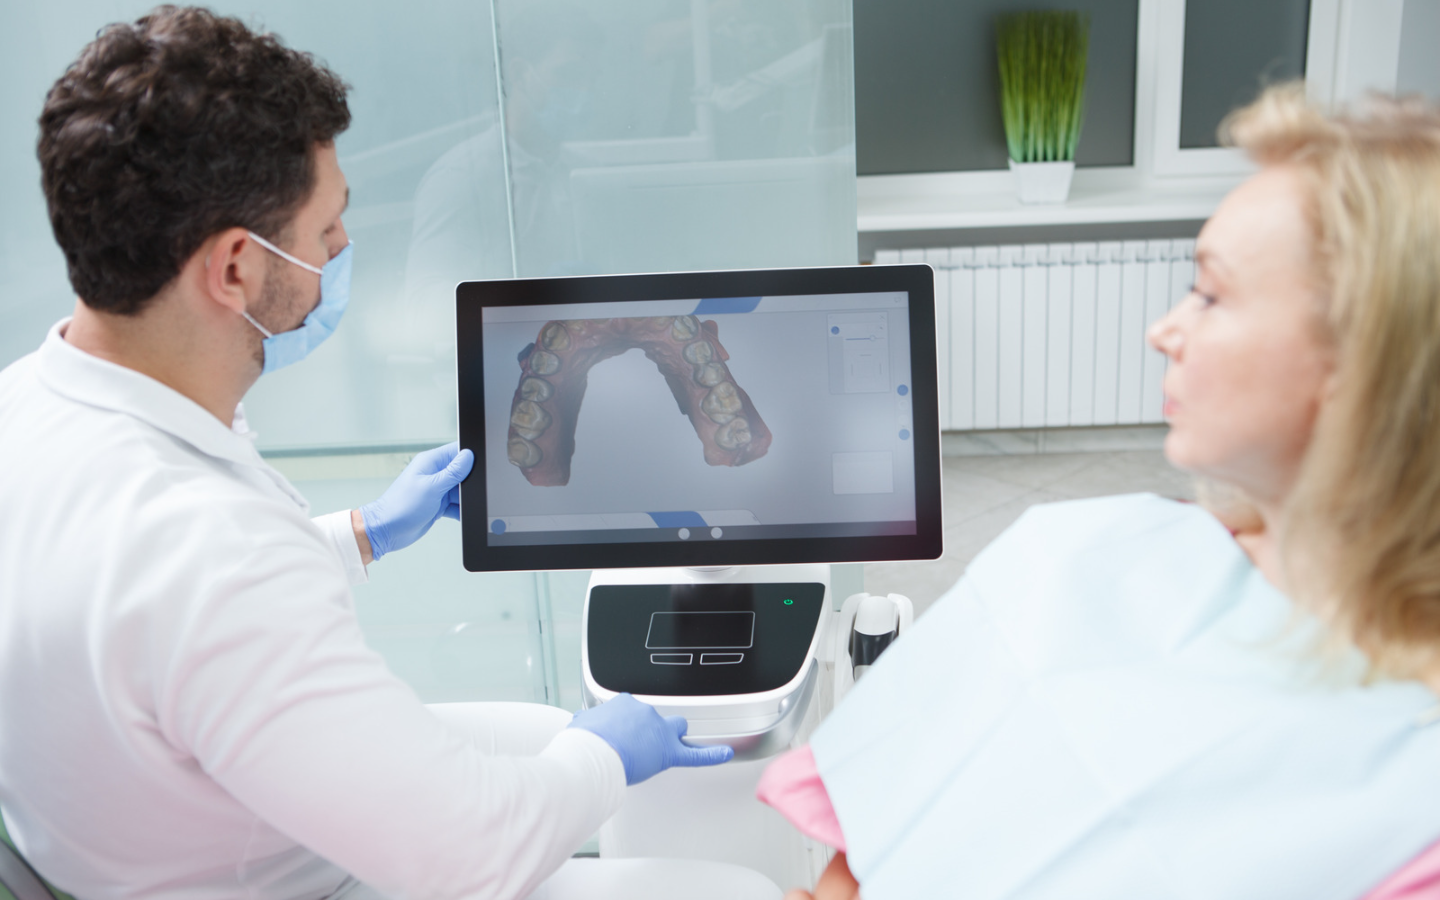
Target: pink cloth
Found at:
1419, 879
792, 785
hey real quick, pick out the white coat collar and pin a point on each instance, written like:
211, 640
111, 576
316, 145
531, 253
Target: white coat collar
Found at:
71, 372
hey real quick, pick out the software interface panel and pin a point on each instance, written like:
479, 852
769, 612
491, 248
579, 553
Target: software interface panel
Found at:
699, 419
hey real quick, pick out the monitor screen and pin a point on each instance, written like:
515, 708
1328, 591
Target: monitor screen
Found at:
710, 418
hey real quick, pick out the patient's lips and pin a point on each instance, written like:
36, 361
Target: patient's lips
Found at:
688, 353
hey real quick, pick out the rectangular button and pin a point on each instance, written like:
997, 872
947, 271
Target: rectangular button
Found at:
672, 659
720, 659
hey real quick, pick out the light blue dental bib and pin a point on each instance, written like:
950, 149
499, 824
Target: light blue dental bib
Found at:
1114, 703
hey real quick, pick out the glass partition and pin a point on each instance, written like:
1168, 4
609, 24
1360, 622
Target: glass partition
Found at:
491, 138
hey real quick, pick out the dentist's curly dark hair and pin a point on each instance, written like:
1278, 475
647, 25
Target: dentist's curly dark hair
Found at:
169, 130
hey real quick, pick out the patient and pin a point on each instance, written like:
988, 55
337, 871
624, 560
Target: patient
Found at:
1132, 697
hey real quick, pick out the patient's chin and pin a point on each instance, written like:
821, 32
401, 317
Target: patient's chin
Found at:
1200, 454
1178, 451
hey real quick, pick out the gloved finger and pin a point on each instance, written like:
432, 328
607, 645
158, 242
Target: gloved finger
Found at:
452, 504
678, 725
436, 459
457, 471
704, 756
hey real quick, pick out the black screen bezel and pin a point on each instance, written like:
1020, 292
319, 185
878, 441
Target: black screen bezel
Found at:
918, 281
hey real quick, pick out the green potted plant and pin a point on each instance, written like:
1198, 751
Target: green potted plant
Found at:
1042, 59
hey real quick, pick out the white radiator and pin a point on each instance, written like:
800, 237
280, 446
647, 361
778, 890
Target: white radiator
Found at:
1045, 335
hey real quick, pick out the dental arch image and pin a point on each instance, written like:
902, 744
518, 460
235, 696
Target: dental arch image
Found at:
554, 372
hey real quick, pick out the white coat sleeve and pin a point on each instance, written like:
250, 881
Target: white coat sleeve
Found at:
340, 535
273, 691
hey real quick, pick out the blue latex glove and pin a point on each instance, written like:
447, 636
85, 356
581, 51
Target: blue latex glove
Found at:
647, 743
428, 489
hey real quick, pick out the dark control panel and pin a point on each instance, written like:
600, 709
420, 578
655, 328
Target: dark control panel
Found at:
700, 639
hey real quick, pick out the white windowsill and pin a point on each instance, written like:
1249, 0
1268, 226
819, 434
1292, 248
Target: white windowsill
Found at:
987, 200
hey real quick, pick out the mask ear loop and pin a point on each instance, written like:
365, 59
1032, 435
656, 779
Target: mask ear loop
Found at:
261, 328
283, 255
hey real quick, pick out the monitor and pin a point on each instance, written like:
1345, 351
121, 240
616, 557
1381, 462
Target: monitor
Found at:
699, 419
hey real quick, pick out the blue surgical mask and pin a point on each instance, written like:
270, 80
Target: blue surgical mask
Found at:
292, 346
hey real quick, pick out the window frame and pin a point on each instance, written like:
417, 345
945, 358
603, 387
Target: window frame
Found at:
1351, 46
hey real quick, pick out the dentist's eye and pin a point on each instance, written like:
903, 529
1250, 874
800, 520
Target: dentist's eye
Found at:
1205, 299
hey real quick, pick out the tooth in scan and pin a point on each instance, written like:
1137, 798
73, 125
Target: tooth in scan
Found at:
685, 328
690, 357
537, 389
711, 374
734, 433
722, 403
554, 336
529, 419
543, 362
522, 453
699, 353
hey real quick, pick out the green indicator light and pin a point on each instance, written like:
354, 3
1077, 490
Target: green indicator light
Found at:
789, 602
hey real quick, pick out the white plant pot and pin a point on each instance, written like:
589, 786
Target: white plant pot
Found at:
1042, 182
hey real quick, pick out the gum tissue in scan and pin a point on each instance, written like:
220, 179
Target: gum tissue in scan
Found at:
555, 370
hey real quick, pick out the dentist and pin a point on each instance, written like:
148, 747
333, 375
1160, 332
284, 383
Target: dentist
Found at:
187, 706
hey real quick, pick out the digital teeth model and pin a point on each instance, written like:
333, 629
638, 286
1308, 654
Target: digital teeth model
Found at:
554, 372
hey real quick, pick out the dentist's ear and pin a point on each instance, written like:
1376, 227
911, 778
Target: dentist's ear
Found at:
232, 269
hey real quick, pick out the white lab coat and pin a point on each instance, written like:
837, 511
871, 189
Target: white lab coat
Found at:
187, 706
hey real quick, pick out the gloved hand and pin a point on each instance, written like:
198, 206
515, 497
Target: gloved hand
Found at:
647, 743
428, 489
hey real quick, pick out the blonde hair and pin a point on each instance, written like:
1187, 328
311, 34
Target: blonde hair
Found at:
1361, 538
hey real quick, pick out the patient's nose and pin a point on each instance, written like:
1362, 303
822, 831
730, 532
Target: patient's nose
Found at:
1166, 334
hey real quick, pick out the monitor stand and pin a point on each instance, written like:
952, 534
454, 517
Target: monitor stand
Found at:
712, 813
733, 650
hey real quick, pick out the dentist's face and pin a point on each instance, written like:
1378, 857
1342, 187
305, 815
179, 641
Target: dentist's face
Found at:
1249, 359
315, 235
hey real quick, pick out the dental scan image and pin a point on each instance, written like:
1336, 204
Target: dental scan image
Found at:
698, 420
555, 372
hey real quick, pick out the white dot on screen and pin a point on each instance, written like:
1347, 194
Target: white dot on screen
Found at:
684, 534
715, 532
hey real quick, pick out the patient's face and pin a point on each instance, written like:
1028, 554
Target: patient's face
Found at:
1248, 359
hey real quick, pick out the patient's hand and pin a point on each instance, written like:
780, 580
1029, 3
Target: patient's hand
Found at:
836, 883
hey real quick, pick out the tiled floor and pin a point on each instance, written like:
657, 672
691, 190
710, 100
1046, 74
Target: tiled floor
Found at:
984, 494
